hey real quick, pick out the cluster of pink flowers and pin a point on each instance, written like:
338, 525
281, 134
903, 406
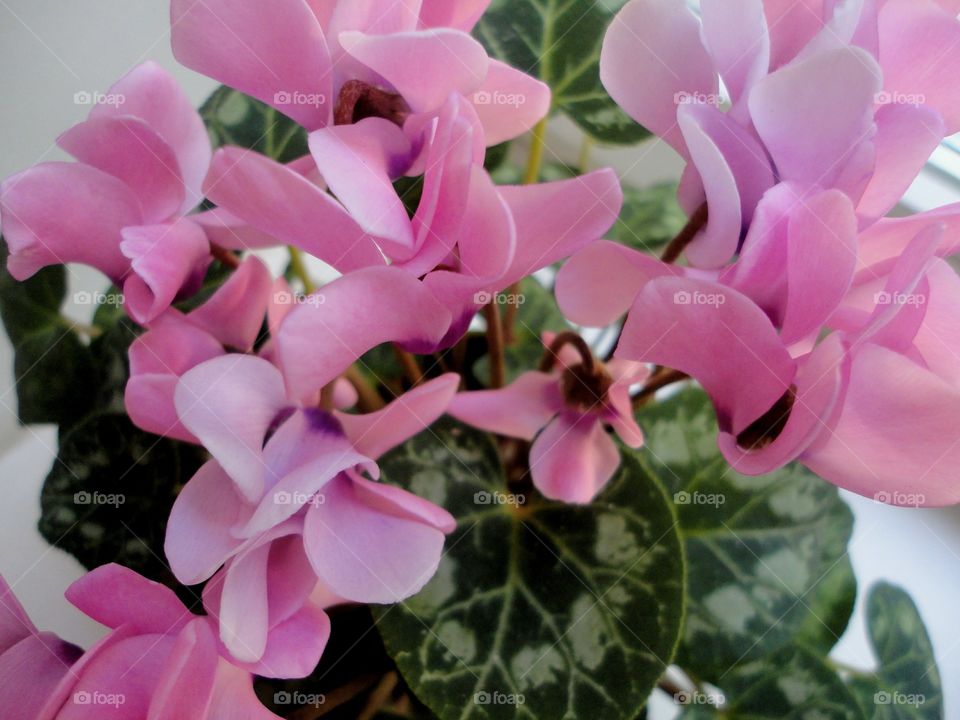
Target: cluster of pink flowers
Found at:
822, 331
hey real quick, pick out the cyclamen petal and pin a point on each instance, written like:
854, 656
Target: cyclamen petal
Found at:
573, 459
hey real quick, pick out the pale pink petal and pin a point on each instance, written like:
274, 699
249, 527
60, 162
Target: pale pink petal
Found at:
392, 500
275, 53
884, 241
234, 313
519, 410
366, 555
234, 698
359, 311
459, 14
735, 35
199, 538
906, 137
792, 23
133, 152
374, 434
938, 338
919, 43
360, 162
186, 683
15, 625
891, 439
282, 203
150, 93
510, 102
717, 336
114, 595
556, 219
162, 259
55, 213
226, 230
425, 66
295, 645
230, 403
599, 283
244, 609
573, 459
652, 58
789, 108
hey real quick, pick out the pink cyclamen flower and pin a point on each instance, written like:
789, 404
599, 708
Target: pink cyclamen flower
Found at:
159, 660
143, 155
283, 506
565, 414
468, 238
840, 96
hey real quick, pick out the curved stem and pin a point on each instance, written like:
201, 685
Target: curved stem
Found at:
659, 380
495, 345
409, 364
535, 160
369, 398
552, 353
224, 257
694, 225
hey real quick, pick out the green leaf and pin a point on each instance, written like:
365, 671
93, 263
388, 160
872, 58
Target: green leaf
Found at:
34, 304
54, 375
110, 491
906, 685
650, 219
233, 118
574, 609
761, 551
793, 683
537, 312
559, 42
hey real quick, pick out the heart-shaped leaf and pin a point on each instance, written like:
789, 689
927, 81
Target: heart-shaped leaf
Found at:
766, 555
540, 610
559, 42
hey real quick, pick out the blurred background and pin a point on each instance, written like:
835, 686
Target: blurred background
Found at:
51, 50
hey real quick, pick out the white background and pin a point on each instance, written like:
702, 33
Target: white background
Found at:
51, 49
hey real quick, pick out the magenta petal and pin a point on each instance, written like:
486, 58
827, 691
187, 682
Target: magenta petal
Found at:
234, 313
890, 440
573, 459
199, 538
458, 14
374, 434
226, 230
510, 102
817, 387
114, 595
186, 683
424, 66
234, 697
599, 284
652, 55
244, 610
229, 403
519, 410
294, 646
32, 670
938, 338
906, 137
360, 162
788, 105
151, 94
556, 219
15, 625
282, 203
364, 554
919, 42
163, 258
278, 53
359, 311
133, 152
55, 213
717, 336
